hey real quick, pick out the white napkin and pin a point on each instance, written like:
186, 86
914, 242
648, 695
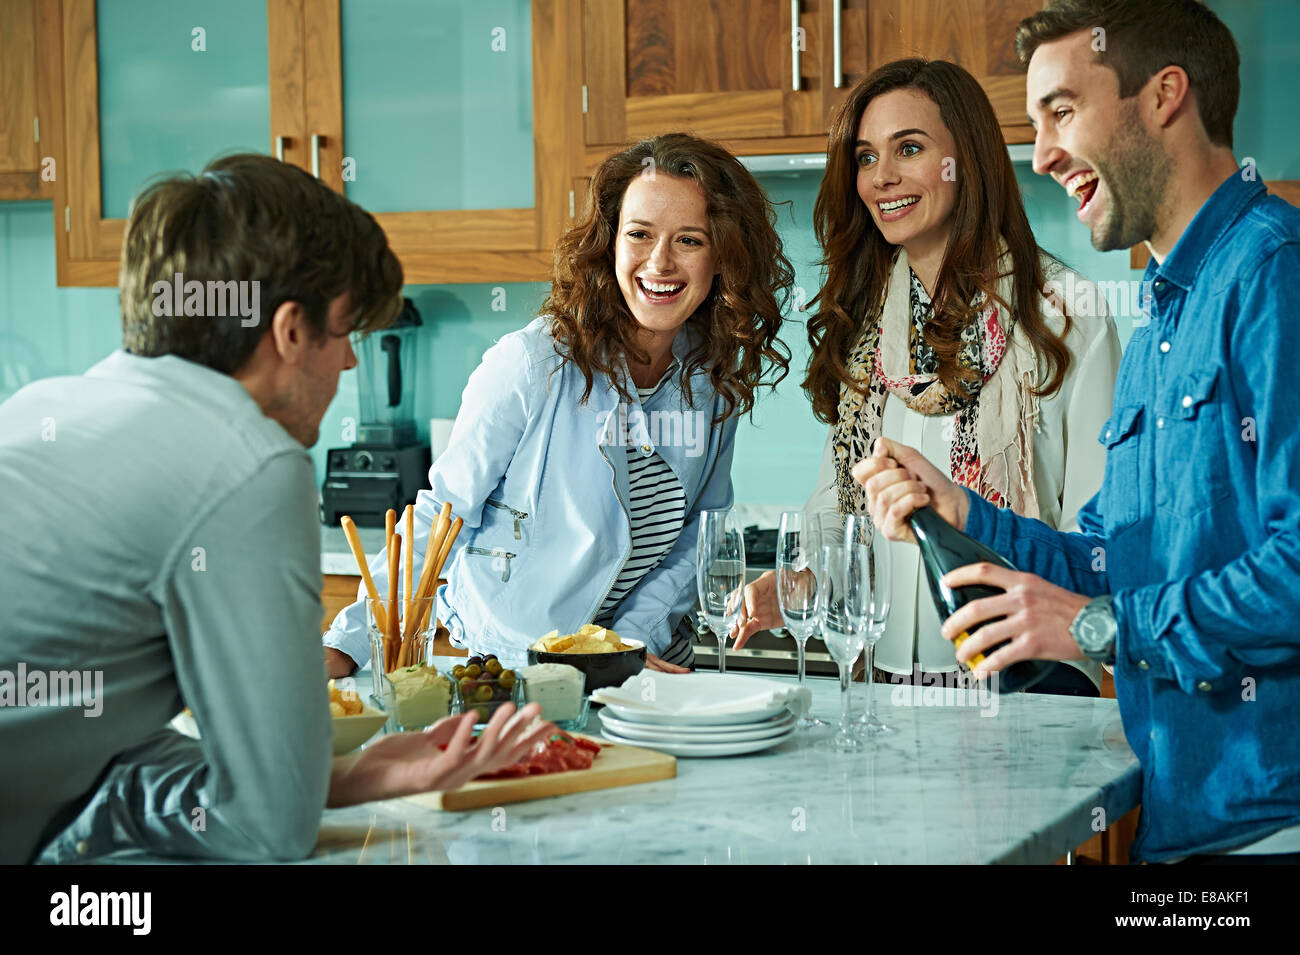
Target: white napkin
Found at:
701, 694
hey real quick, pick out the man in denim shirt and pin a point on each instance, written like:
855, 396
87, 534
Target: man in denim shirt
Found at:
1186, 574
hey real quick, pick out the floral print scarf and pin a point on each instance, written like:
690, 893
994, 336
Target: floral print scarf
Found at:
991, 444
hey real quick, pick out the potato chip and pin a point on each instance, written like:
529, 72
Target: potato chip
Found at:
590, 638
336, 709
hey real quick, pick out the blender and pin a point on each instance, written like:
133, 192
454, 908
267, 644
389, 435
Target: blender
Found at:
387, 465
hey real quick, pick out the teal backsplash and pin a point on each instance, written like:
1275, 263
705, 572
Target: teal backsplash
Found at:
45, 330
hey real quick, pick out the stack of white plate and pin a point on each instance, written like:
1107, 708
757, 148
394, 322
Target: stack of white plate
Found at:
714, 734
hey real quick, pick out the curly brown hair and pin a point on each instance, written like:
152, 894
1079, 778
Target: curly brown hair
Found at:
858, 259
738, 320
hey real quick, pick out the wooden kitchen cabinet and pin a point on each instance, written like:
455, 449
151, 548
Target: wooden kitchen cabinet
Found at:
20, 107
140, 89
461, 121
976, 34
726, 70
133, 99
337, 592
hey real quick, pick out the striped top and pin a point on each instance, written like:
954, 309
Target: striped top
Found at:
658, 512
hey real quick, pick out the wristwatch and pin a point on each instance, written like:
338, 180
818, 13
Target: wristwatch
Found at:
1094, 629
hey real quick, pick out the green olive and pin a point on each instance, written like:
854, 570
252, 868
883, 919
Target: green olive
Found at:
458, 671
483, 693
493, 666
506, 679
473, 670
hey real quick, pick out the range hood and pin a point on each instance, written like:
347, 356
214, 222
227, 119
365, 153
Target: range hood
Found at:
816, 162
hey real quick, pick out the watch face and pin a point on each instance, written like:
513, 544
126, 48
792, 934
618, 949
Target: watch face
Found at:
1093, 629
1087, 631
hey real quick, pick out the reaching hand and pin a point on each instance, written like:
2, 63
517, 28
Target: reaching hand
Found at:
898, 481
339, 664
761, 610
405, 763
652, 662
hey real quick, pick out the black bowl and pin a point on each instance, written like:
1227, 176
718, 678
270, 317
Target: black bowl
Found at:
601, 669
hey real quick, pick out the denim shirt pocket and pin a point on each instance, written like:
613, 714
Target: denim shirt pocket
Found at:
1121, 499
1191, 464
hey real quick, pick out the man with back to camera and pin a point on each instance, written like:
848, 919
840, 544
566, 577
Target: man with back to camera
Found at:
1186, 573
161, 534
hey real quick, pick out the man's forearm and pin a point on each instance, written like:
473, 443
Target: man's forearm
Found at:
1074, 561
158, 797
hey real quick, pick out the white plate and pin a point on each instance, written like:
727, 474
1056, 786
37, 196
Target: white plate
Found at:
703, 749
698, 734
633, 715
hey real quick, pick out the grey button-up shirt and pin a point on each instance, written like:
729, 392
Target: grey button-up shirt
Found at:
161, 550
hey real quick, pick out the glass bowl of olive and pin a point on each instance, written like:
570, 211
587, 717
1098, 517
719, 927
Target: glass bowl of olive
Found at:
484, 684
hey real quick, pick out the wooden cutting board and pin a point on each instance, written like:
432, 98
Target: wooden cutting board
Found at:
615, 765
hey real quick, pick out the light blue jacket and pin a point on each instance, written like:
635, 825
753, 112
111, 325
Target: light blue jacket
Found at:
542, 485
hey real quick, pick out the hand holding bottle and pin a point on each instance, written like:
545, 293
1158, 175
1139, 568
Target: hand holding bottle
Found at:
898, 480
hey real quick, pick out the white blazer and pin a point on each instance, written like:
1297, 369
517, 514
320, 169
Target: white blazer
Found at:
1068, 465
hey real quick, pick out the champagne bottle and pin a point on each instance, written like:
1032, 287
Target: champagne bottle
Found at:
944, 548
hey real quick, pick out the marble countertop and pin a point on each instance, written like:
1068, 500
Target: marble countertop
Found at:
335, 554
1021, 779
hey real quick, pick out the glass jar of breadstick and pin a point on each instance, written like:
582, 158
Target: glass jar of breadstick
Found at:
406, 684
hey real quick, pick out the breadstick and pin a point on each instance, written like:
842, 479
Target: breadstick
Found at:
410, 555
391, 639
427, 577
445, 551
441, 559
354, 541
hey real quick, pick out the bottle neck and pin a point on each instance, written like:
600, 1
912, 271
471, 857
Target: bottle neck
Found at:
925, 522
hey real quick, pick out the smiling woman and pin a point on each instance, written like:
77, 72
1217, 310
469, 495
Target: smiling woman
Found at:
936, 328
683, 215
580, 506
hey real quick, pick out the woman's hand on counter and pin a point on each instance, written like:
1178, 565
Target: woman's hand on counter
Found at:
404, 763
761, 610
900, 480
339, 664
652, 662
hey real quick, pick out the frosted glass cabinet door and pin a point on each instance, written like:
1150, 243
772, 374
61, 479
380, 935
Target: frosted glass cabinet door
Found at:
437, 104
180, 82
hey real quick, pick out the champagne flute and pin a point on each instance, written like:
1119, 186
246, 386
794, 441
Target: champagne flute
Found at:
798, 554
861, 529
843, 593
720, 575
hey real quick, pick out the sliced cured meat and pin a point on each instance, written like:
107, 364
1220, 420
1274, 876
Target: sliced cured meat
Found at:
558, 754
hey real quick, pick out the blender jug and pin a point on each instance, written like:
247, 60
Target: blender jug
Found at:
386, 383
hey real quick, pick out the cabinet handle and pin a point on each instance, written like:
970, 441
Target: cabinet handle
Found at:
794, 45
279, 148
837, 28
315, 154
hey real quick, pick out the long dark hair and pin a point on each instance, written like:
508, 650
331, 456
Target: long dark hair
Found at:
857, 257
738, 320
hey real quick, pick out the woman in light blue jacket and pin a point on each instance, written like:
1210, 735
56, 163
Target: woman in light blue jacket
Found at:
587, 443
